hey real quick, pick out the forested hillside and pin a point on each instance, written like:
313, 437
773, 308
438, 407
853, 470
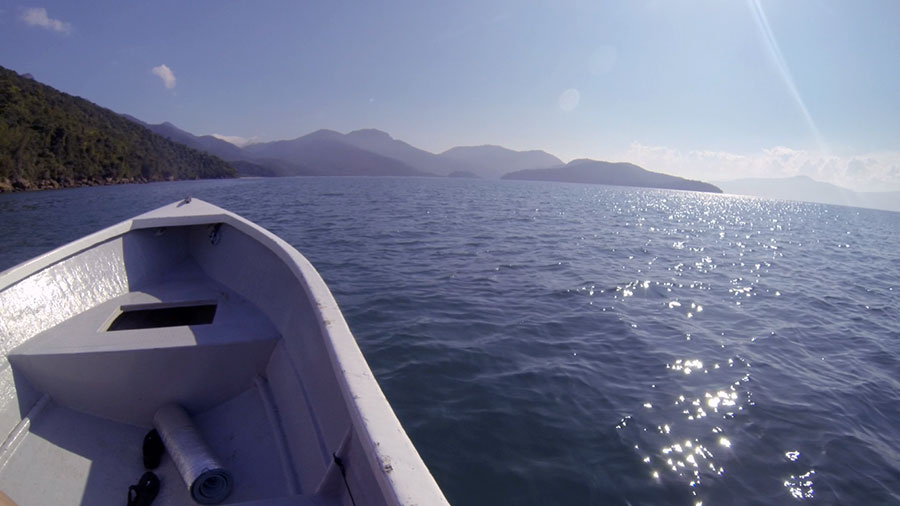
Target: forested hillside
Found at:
49, 139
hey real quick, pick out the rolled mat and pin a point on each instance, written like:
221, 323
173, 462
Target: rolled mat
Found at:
209, 482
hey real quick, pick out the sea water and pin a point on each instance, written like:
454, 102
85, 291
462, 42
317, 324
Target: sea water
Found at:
550, 343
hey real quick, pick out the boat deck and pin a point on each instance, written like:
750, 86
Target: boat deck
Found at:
68, 457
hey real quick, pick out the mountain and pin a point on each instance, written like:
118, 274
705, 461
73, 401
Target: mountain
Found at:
481, 161
328, 153
806, 189
324, 152
223, 149
261, 167
616, 174
360, 152
50, 139
383, 144
494, 161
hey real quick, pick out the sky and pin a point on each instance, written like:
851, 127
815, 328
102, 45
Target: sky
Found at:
706, 89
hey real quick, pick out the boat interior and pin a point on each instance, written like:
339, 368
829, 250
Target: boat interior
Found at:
204, 316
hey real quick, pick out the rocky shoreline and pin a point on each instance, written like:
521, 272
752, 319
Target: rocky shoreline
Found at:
23, 185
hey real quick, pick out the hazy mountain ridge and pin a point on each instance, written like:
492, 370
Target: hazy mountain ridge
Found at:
495, 161
611, 173
50, 139
382, 143
482, 161
360, 152
326, 153
320, 153
212, 145
806, 189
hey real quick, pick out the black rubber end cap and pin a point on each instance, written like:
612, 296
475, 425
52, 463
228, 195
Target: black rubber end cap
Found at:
153, 449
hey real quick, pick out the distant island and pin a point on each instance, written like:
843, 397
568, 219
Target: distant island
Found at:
806, 189
49, 139
608, 173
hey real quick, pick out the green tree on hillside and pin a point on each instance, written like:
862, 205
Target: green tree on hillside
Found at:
49, 136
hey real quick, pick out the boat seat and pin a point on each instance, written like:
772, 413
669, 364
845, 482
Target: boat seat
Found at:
125, 368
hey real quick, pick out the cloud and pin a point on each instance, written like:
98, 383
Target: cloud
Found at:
37, 16
165, 73
877, 171
234, 139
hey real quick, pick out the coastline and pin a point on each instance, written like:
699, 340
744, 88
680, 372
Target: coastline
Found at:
26, 185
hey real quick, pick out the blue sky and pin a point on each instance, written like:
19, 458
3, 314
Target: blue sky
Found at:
712, 89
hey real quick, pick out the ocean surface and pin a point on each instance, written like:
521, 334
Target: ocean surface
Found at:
550, 343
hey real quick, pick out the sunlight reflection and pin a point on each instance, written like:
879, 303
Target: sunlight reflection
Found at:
801, 487
685, 444
686, 366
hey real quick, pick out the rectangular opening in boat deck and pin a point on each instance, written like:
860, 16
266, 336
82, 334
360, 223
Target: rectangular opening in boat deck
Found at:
147, 316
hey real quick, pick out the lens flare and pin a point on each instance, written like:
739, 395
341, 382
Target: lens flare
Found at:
765, 32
